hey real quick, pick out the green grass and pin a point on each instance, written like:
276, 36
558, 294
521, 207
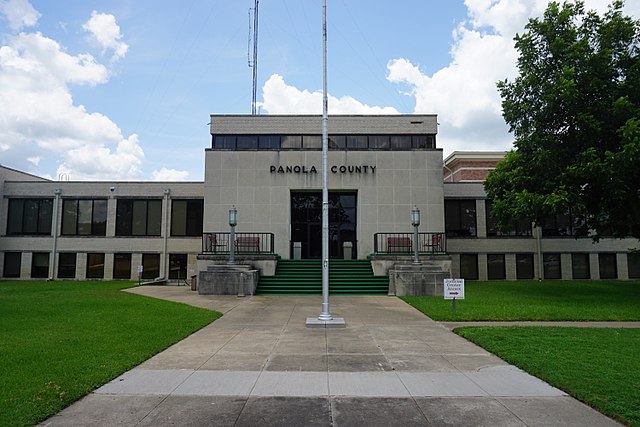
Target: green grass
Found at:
61, 340
600, 367
576, 300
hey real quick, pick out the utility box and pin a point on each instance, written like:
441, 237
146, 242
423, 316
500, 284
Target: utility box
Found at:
297, 250
347, 250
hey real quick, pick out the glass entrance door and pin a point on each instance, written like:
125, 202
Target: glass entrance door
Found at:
306, 222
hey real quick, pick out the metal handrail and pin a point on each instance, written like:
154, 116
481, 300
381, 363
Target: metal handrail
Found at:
218, 242
402, 243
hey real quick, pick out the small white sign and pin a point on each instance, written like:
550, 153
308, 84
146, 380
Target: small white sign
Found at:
454, 288
140, 268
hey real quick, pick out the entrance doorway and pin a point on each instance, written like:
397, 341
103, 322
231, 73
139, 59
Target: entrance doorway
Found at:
306, 222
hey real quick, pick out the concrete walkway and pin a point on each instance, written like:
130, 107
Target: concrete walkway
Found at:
260, 366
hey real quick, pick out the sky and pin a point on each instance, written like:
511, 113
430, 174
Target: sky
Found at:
123, 90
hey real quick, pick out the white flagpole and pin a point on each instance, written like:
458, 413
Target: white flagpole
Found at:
325, 314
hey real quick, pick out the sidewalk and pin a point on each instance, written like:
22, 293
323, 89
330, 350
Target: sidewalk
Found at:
260, 365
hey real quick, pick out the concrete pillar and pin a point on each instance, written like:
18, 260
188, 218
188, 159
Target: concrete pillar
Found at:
623, 267
481, 218
482, 267
510, 266
136, 261
25, 268
81, 266
108, 266
455, 265
566, 267
594, 266
111, 217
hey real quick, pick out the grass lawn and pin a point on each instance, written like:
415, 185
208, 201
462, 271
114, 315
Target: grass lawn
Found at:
61, 340
600, 367
531, 300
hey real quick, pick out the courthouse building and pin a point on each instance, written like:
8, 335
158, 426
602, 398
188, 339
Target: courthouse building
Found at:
269, 168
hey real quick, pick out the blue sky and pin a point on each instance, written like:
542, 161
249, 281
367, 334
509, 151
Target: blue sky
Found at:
123, 89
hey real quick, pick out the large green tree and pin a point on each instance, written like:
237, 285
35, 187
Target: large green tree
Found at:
574, 111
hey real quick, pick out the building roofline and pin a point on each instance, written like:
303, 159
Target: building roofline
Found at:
24, 173
474, 155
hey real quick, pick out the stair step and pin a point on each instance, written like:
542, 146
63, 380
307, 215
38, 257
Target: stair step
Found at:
304, 277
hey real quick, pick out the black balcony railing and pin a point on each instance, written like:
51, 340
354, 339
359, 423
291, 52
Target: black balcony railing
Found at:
402, 243
245, 243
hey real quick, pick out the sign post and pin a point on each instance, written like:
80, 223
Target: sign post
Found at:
140, 270
454, 290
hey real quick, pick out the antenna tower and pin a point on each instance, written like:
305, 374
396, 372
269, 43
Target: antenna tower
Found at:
252, 53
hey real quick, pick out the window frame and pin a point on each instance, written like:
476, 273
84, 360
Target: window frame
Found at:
126, 210
97, 227
42, 218
457, 231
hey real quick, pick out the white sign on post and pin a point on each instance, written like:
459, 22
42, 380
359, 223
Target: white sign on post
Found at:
454, 289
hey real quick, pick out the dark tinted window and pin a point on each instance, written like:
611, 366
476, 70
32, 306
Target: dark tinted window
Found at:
460, 218
469, 266
12, 264
524, 266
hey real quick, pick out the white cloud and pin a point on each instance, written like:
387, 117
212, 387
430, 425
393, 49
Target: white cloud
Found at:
105, 30
35, 160
165, 174
19, 14
39, 119
280, 98
97, 161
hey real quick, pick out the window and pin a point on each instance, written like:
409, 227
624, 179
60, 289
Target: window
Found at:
608, 267
517, 228
633, 264
177, 266
122, 266
269, 142
291, 141
224, 142
401, 142
40, 265
84, 217
186, 217
30, 216
12, 264
312, 142
424, 141
379, 142
249, 142
337, 142
469, 266
495, 267
551, 266
138, 217
460, 218
95, 266
357, 142
524, 266
580, 266
150, 266
67, 265
561, 225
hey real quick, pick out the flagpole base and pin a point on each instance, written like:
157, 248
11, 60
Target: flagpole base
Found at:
316, 322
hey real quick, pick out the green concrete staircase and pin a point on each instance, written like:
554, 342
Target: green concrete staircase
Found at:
304, 277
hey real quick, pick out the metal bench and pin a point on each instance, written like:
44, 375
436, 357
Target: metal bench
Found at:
434, 243
215, 246
248, 244
398, 244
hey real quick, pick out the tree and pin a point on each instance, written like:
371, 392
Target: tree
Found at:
574, 113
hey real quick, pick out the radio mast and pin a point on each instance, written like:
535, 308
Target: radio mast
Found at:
252, 53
